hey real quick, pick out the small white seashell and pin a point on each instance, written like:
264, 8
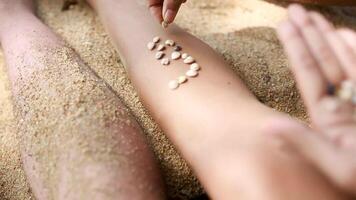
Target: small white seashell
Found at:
195, 67
151, 46
164, 24
345, 94
161, 47
165, 61
182, 79
173, 84
192, 73
176, 55
189, 60
185, 55
177, 48
159, 55
170, 43
156, 39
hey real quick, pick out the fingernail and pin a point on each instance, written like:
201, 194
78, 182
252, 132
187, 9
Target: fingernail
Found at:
298, 14
297, 9
169, 16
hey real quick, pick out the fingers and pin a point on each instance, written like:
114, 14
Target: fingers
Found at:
310, 80
170, 9
349, 37
156, 7
340, 47
336, 164
318, 45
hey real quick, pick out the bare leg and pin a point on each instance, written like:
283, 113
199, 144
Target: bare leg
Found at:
213, 120
78, 140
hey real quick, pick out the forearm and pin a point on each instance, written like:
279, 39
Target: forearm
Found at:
189, 111
73, 128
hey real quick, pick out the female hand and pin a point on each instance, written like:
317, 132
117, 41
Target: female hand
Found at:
322, 58
165, 10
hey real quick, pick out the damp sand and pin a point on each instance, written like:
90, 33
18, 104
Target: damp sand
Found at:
241, 30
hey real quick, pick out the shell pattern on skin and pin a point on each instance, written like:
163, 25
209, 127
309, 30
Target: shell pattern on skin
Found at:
193, 70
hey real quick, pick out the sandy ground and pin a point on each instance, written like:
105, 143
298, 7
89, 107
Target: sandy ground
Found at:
241, 30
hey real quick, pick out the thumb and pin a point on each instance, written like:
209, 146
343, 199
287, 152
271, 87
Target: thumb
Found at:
170, 9
336, 164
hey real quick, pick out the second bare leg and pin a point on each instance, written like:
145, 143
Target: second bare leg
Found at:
78, 139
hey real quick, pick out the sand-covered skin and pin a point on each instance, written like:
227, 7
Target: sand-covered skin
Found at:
254, 53
12, 176
72, 127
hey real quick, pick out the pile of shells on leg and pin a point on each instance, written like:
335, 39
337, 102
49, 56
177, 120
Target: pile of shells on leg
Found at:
193, 70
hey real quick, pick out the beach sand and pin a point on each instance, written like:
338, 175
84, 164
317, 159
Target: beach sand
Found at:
241, 30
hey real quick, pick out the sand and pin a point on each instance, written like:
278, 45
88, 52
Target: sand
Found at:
241, 30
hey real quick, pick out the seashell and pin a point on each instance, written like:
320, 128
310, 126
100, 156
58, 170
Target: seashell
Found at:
164, 24
185, 55
177, 48
161, 47
151, 46
170, 43
165, 61
159, 55
156, 39
182, 79
345, 94
192, 73
189, 60
195, 67
173, 84
176, 55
